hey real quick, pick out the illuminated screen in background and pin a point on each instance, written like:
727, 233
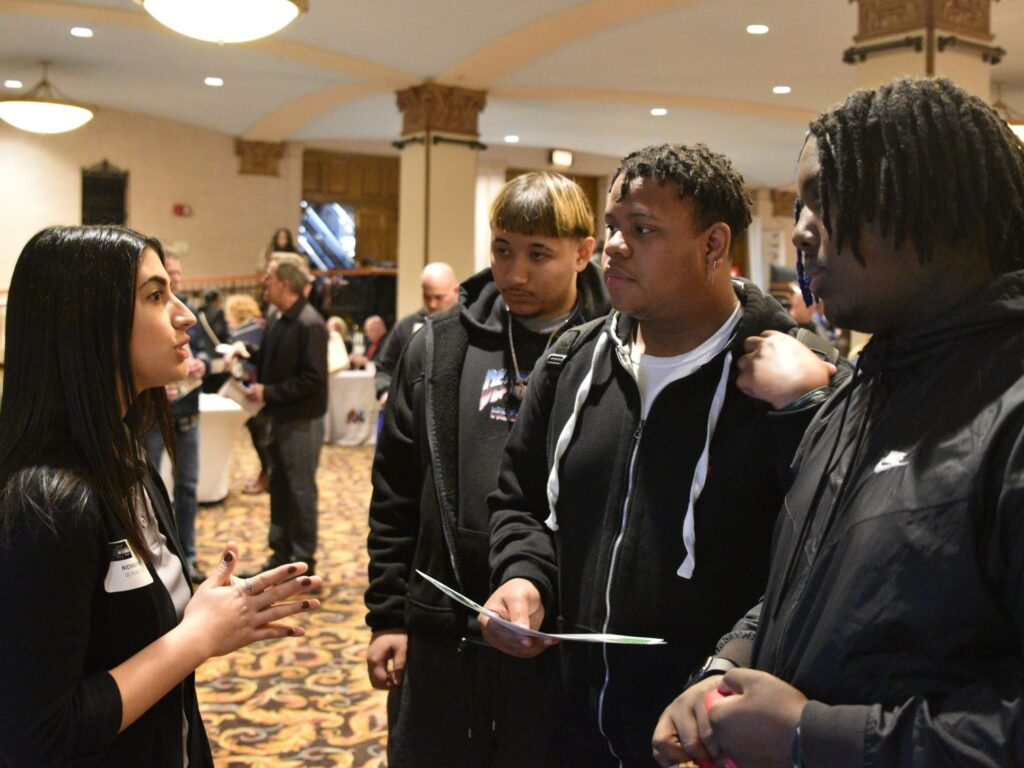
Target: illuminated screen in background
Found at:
327, 235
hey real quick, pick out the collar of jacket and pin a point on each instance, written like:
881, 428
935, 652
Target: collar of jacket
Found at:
994, 308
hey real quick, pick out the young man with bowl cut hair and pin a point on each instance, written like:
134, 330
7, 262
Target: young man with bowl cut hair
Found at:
453, 700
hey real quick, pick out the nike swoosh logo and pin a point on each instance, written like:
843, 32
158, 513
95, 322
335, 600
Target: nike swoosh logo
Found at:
891, 461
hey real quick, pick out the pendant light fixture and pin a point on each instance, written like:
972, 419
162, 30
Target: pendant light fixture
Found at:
1014, 119
225, 21
44, 109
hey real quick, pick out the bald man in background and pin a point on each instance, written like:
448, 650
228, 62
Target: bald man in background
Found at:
440, 291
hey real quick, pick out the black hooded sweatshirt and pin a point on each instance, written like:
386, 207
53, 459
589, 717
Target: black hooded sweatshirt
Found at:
450, 408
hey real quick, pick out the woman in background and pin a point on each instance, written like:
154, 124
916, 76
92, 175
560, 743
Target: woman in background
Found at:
100, 631
246, 323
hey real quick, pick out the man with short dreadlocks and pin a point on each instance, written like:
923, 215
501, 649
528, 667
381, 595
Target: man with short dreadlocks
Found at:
891, 630
639, 487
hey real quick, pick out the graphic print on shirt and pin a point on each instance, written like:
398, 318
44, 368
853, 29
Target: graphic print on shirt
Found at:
494, 394
126, 571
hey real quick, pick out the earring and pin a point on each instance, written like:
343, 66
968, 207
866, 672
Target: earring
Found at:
714, 265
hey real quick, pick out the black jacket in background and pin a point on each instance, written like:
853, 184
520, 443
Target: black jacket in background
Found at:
896, 602
415, 509
292, 364
392, 347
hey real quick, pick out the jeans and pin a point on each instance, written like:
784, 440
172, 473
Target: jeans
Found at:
186, 477
294, 455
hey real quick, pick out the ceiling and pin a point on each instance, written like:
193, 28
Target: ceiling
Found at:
576, 74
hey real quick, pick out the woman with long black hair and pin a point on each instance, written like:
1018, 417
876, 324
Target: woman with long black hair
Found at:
100, 630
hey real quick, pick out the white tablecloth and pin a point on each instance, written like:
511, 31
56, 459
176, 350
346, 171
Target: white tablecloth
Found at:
220, 419
351, 409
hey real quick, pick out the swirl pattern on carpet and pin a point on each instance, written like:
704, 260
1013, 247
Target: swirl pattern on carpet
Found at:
297, 702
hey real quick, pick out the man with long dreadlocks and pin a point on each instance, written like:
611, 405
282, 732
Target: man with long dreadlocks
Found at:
891, 630
640, 486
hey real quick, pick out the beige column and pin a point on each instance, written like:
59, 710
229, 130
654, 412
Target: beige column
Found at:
437, 183
944, 38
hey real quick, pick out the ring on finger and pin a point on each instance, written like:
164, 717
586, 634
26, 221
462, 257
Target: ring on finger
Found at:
249, 587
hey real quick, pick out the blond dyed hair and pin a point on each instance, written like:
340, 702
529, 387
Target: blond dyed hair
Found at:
545, 204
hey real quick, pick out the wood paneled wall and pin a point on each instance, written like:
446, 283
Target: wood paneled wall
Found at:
369, 183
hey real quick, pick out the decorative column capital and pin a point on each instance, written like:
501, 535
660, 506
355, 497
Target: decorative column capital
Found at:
259, 158
884, 18
431, 107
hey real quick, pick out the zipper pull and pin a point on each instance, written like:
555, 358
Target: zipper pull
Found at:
639, 430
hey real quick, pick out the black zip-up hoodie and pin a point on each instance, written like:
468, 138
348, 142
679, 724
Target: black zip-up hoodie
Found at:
896, 599
624, 483
417, 518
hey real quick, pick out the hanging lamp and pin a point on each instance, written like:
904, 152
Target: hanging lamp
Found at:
43, 109
225, 21
1013, 118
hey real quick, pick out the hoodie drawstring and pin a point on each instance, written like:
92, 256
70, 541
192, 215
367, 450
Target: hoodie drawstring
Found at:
700, 472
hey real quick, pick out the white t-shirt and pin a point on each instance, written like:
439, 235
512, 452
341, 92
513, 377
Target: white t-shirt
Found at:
653, 374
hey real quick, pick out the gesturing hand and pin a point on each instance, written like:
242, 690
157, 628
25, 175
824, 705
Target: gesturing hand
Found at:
229, 613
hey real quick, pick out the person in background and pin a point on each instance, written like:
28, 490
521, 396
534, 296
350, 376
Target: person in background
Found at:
246, 324
100, 630
640, 485
890, 632
374, 333
440, 291
453, 700
184, 397
812, 317
292, 385
337, 349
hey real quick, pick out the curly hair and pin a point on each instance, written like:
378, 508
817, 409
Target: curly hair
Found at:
708, 178
931, 162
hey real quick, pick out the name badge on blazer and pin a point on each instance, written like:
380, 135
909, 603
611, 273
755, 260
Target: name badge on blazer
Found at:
126, 571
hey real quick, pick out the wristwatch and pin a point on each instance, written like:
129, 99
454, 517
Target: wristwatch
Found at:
795, 753
713, 665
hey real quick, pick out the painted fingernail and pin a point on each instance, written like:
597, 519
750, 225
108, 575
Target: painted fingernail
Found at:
292, 569
306, 581
305, 603
228, 557
291, 631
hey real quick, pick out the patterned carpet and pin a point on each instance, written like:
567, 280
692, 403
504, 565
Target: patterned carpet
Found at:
305, 702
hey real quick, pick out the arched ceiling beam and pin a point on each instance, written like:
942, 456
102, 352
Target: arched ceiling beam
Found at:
524, 45
684, 101
280, 123
330, 61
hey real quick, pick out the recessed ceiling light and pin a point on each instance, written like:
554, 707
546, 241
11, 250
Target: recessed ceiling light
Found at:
81, 32
757, 29
780, 89
659, 111
13, 84
511, 139
216, 82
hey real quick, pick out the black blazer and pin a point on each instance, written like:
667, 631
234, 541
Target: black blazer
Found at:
63, 626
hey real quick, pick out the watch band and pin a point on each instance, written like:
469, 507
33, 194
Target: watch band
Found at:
713, 665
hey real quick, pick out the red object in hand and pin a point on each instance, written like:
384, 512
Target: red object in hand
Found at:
710, 698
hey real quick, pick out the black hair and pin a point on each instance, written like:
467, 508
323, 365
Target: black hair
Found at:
69, 401
931, 163
287, 248
708, 178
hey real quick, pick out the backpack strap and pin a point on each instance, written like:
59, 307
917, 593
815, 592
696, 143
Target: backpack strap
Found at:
569, 342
